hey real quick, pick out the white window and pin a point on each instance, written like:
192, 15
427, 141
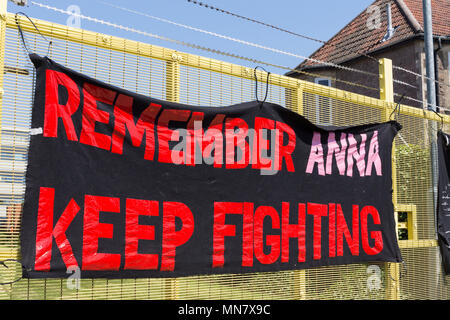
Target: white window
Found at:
324, 115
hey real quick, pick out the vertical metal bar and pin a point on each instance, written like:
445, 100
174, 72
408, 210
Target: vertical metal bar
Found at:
300, 280
294, 99
387, 94
173, 79
412, 223
429, 54
173, 95
386, 83
295, 103
431, 90
299, 96
301, 274
3, 13
390, 30
431, 100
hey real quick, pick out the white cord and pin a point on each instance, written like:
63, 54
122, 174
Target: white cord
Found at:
248, 43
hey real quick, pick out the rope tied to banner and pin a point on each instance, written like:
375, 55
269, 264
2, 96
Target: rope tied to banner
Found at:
256, 84
442, 119
3, 263
397, 107
401, 275
19, 28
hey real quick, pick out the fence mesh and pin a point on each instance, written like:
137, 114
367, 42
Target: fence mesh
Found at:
142, 68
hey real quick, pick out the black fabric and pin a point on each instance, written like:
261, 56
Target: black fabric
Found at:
443, 205
91, 199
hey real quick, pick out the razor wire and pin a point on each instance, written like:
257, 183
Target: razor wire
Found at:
243, 41
195, 46
314, 39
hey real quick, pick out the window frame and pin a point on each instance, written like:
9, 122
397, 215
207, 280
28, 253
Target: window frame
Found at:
319, 102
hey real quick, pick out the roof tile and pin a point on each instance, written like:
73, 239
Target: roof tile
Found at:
356, 38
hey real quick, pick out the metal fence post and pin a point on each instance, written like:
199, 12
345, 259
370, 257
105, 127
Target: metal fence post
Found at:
173, 79
299, 99
294, 101
3, 13
301, 274
387, 94
173, 95
4, 292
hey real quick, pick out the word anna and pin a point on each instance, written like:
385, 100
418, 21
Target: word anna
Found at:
346, 155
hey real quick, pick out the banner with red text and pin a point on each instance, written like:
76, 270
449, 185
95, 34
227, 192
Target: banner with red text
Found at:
121, 185
443, 199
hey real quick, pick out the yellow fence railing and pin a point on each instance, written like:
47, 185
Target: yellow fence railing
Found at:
177, 76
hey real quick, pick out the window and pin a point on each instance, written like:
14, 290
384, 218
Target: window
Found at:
406, 221
323, 105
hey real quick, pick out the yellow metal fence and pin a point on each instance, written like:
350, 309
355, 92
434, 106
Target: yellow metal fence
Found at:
176, 76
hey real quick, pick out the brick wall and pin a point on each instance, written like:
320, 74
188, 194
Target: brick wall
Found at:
443, 90
407, 55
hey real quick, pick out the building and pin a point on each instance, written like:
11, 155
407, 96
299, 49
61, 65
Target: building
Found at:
390, 29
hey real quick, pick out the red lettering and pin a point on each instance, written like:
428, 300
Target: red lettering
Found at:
247, 235
259, 144
171, 238
342, 231
318, 211
332, 230
59, 233
285, 151
91, 115
54, 110
195, 134
94, 230
213, 142
273, 241
375, 235
45, 231
135, 232
235, 140
123, 115
292, 231
222, 230
165, 134
257, 242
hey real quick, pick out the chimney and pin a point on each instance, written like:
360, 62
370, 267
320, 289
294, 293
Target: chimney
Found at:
390, 30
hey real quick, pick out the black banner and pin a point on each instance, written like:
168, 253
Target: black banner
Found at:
443, 201
123, 185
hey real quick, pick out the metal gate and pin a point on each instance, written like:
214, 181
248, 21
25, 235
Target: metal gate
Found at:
176, 76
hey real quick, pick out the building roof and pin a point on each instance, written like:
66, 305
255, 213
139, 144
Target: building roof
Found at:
440, 12
357, 38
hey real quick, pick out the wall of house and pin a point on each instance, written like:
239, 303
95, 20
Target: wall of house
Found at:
443, 76
408, 55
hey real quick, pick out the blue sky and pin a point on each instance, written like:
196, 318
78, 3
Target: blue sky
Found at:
319, 19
